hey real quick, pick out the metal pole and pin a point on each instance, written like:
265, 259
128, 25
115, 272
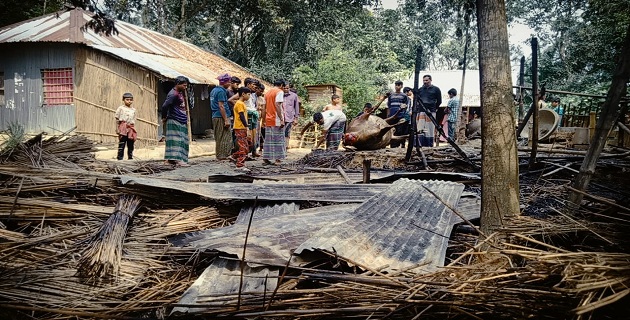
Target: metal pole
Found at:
534, 135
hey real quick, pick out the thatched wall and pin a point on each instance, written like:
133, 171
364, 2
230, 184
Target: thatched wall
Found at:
100, 83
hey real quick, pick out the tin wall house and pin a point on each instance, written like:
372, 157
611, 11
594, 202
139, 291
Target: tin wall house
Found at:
56, 77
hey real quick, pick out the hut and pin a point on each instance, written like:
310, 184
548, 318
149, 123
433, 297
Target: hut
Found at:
322, 92
56, 77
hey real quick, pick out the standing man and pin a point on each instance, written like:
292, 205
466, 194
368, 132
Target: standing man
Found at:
274, 150
235, 82
221, 118
452, 112
175, 119
396, 106
260, 104
291, 113
431, 98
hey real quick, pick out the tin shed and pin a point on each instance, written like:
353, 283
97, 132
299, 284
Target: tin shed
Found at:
55, 77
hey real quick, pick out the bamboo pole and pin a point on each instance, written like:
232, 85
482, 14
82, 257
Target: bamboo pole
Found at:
188, 124
608, 116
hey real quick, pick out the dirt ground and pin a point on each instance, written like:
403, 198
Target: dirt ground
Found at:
203, 161
200, 150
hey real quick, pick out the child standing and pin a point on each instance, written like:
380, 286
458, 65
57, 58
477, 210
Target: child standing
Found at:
125, 120
335, 103
240, 128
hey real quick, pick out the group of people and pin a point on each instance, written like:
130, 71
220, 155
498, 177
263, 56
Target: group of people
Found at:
247, 120
400, 105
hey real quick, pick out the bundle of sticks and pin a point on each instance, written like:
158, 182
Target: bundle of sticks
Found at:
102, 256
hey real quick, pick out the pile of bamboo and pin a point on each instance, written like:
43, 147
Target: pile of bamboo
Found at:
46, 218
556, 265
326, 159
499, 277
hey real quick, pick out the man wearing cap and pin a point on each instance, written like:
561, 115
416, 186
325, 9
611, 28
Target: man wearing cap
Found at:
125, 120
175, 119
221, 117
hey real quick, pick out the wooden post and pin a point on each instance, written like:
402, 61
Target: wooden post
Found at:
188, 117
609, 115
534, 135
521, 84
367, 166
622, 119
461, 90
592, 119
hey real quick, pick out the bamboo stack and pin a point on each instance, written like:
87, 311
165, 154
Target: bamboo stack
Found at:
103, 255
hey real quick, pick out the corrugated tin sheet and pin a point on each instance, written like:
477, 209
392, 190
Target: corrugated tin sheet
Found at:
273, 234
264, 212
166, 66
273, 192
219, 285
164, 55
402, 226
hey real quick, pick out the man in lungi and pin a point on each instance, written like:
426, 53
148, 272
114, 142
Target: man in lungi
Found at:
274, 150
333, 123
175, 119
221, 118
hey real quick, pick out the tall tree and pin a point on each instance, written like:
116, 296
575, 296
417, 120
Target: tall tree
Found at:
500, 188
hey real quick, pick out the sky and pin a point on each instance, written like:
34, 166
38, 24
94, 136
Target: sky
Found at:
519, 33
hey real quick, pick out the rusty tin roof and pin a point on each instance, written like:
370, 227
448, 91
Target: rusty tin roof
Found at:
166, 56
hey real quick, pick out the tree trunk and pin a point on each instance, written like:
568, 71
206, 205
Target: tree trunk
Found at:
500, 189
608, 116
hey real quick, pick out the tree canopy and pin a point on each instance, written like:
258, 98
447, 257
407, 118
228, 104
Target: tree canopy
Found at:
579, 39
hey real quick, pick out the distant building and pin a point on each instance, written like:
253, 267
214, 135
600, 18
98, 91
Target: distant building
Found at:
452, 79
55, 77
319, 92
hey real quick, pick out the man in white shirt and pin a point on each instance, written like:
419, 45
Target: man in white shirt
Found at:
333, 123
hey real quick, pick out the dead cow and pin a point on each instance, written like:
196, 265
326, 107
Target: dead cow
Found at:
369, 132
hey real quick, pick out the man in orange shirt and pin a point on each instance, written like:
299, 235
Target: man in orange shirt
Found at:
274, 150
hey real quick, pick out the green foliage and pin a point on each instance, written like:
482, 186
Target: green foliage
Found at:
580, 40
359, 79
12, 11
15, 136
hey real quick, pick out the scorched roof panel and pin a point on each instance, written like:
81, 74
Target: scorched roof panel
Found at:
399, 227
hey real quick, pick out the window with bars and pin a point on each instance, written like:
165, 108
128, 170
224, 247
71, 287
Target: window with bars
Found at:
1, 88
58, 86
